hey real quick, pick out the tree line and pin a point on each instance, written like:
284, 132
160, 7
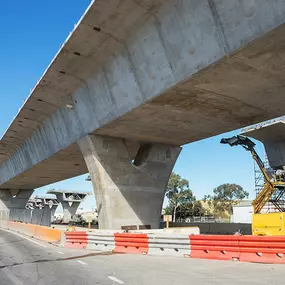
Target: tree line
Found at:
183, 204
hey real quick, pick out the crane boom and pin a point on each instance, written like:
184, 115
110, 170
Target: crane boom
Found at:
269, 186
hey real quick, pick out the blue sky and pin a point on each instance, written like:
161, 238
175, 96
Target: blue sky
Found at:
31, 34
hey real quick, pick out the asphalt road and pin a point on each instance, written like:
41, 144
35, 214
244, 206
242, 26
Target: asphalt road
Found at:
24, 261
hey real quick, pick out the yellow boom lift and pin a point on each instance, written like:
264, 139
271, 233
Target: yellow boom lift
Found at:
268, 223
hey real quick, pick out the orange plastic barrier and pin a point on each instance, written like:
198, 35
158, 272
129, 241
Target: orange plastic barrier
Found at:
27, 229
76, 239
47, 234
131, 243
39, 232
220, 247
262, 249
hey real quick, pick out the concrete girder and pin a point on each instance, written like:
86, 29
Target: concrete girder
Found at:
65, 164
128, 194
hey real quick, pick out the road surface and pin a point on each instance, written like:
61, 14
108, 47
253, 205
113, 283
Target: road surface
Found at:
31, 262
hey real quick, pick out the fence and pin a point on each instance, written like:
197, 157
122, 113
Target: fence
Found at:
217, 228
37, 216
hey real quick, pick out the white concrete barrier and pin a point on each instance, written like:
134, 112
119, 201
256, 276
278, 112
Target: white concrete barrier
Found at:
101, 241
169, 244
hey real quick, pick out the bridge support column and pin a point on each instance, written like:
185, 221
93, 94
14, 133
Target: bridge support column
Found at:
70, 202
128, 194
69, 210
53, 209
13, 202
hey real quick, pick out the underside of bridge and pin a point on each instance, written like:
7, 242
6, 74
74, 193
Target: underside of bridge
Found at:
65, 164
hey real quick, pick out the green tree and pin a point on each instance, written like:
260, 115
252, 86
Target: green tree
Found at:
182, 202
198, 209
224, 197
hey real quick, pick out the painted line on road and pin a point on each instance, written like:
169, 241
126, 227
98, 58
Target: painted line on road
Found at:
13, 278
31, 240
82, 262
115, 279
60, 252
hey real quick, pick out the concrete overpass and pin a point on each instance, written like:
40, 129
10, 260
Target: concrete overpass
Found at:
134, 81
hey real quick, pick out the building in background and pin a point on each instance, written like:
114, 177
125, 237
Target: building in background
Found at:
242, 213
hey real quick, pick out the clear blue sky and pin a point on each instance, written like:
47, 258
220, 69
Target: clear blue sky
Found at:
31, 34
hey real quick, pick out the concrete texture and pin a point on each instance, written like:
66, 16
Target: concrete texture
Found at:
70, 201
171, 72
35, 216
273, 138
128, 194
34, 203
52, 203
65, 164
14, 199
24, 263
49, 201
12, 203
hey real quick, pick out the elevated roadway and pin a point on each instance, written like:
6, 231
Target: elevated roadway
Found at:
136, 80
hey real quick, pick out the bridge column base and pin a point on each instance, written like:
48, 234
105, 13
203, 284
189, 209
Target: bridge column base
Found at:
69, 210
129, 192
13, 202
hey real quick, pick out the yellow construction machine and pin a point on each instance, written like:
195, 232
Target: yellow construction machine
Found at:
272, 221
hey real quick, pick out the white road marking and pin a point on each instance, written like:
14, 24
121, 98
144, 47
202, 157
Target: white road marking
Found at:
13, 278
82, 262
31, 240
115, 279
60, 252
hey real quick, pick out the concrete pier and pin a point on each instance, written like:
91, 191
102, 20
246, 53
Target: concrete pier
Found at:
70, 202
12, 202
41, 202
158, 73
129, 191
52, 203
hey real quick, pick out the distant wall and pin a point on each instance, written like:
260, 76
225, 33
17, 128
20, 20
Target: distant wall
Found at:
216, 228
40, 217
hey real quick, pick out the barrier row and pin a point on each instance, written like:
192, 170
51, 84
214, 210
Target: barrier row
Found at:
39, 232
219, 247
241, 248
137, 243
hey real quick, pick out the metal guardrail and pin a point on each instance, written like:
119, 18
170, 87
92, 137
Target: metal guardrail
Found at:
262, 125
